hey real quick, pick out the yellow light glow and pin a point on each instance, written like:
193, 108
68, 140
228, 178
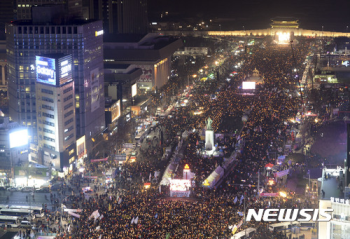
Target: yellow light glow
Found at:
283, 194
283, 37
194, 76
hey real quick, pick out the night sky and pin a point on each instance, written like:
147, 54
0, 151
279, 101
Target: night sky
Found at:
313, 14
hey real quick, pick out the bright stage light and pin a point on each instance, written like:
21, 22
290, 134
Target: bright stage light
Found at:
283, 37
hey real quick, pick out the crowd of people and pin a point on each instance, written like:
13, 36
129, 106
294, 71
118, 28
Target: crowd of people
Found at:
128, 210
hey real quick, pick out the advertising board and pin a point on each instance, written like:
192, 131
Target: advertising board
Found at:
248, 85
134, 90
65, 69
180, 185
45, 70
115, 108
19, 138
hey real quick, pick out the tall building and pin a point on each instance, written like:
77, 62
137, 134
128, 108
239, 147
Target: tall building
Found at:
6, 15
83, 40
55, 104
118, 16
73, 8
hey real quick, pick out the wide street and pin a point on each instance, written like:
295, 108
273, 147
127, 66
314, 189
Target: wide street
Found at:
19, 198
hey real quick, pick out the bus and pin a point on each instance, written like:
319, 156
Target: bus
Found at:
38, 211
282, 226
10, 220
3, 206
25, 214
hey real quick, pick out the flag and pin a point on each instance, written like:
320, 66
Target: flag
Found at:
94, 214
120, 200
109, 207
240, 224
240, 201
98, 228
240, 213
234, 229
150, 176
132, 221
167, 235
101, 217
136, 220
156, 216
100, 237
234, 201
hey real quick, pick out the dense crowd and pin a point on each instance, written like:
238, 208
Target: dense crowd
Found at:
210, 212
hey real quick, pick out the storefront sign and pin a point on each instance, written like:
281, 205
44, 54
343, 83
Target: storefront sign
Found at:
120, 157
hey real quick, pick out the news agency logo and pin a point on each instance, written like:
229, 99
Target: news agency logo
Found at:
289, 215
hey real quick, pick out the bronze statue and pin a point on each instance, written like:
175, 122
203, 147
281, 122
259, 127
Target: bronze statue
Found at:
208, 122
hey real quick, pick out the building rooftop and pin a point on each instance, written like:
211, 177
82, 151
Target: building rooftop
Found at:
123, 37
76, 22
108, 65
286, 19
331, 189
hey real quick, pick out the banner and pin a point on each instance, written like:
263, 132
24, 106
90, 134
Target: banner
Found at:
73, 210
91, 177
179, 194
74, 214
282, 173
269, 194
98, 160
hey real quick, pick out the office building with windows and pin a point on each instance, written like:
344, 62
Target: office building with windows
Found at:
123, 17
80, 38
55, 102
73, 8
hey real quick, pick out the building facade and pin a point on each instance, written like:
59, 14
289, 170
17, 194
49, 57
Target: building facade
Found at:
339, 226
121, 16
152, 54
73, 8
81, 39
7, 14
55, 102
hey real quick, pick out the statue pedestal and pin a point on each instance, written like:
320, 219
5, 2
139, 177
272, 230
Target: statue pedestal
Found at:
209, 139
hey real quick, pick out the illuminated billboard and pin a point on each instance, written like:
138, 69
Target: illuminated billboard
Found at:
248, 85
45, 70
134, 90
65, 69
19, 138
180, 185
115, 109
